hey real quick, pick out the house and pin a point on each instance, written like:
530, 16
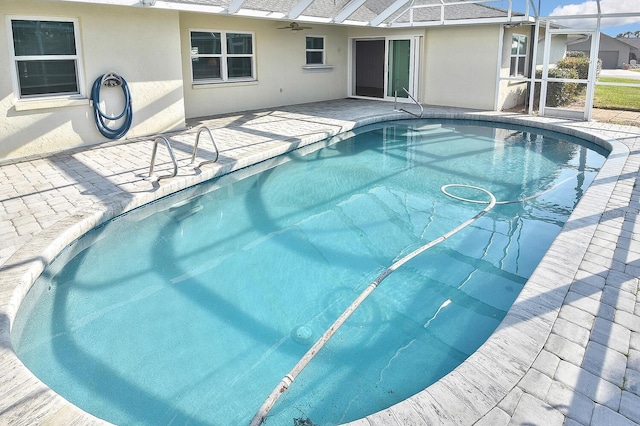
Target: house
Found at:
614, 52
183, 59
635, 43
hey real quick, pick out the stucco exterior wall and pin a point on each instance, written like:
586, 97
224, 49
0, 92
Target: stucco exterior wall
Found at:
111, 39
557, 48
280, 57
461, 66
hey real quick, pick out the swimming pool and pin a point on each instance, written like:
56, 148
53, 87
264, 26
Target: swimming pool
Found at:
326, 239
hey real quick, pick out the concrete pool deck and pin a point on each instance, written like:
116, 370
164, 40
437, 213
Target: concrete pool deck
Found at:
567, 352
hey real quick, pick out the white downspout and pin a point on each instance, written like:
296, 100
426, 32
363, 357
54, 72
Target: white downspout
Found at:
534, 66
499, 68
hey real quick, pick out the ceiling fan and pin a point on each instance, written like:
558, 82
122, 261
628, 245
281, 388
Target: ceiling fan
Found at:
294, 26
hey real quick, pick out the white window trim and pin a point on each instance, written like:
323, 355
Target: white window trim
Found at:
323, 50
223, 55
519, 56
46, 100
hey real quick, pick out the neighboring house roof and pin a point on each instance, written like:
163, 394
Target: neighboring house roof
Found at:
619, 41
368, 12
633, 42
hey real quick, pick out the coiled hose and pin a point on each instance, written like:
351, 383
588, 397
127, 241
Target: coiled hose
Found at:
101, 118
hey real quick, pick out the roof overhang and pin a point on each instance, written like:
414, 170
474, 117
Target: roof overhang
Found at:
371, 13
389, 17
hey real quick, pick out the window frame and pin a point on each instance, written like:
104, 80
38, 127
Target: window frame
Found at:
77, 58
223, 57
323, 51
518, 56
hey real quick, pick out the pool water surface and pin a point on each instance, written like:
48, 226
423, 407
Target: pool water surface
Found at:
191, 310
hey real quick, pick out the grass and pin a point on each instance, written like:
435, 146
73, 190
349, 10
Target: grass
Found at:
617, 97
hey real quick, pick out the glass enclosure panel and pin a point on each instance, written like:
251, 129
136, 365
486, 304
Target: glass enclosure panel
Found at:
47, 77
204, 68
514, 45
239, 44
314, 58
205, 43
239, 67
369, 72
399, 68
520, 67
34, 38
315, 43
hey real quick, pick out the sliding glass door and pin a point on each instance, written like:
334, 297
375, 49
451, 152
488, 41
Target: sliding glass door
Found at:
399, 68
384, 68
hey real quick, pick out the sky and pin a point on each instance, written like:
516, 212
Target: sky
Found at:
611, 27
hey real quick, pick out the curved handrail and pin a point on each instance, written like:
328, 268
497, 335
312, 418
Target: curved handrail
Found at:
195, 148
416, 102
413, 99
153, 158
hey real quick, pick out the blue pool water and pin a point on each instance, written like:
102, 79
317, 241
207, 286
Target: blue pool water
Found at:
190, 310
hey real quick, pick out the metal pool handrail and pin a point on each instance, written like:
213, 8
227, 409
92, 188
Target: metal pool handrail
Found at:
153, 158
195, 148
413, 99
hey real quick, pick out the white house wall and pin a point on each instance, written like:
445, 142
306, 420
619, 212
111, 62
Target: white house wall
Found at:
461, 64
141, 44
457, 64
557, 48
280, 57
150, 48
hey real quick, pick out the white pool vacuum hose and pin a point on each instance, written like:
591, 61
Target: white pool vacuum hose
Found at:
288, 379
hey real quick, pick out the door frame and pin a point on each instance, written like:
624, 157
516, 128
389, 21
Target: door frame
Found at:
559, 112
414, 65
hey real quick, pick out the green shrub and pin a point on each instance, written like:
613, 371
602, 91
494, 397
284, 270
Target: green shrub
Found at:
579, 62
576, 54
558, 94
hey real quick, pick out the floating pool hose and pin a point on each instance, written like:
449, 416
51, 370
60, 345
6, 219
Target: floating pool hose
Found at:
288, 379
111, 80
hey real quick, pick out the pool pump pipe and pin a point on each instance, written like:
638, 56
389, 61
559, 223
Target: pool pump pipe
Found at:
288, 379
111, 80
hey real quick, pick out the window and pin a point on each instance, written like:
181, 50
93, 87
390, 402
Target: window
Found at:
218, 56
518, 54
315, 50
45, 57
